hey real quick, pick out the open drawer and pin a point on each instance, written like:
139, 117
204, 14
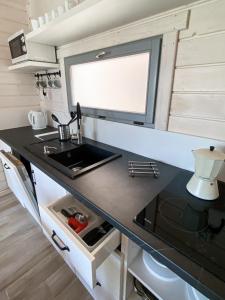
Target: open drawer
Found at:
82, 258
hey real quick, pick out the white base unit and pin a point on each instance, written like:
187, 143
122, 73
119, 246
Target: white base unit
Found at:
5, 147
47, 190
109, 275
160, 280
82, 259
19, 183
162, 287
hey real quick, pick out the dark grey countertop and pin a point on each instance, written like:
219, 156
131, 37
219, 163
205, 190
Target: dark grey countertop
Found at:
118, 198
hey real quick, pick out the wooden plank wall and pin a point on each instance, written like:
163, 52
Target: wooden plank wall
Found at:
198, 100
17, 92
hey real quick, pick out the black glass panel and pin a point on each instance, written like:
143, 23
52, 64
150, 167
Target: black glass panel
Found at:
15, 46
193, 226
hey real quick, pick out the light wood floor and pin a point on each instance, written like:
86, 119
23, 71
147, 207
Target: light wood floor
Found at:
30, 268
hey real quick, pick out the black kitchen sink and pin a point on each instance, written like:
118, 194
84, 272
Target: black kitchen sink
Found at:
82, 159
73, 160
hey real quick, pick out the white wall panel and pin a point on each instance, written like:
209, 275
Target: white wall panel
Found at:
4, 52
14, 78
205, 106
4, 39
206, 18
11, 27
198, 102
18, 94
15, 117
9, 12
202, 50
198, 127
4, 63
18, 101
202, 79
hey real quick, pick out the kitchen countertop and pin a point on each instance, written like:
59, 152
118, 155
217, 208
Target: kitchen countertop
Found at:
118, 198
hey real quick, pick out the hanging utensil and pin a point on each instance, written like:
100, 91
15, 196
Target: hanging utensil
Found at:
54, 118
73, 118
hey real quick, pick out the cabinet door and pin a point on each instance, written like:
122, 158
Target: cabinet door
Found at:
5, 147
13, 179
109, 275
47, 190
19, 183
3, 183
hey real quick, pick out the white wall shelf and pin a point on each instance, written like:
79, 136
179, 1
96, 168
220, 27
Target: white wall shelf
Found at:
92, 17
33, 66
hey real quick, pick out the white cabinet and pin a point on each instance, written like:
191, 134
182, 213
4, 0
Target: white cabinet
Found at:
5, 147
82, 258
109, 274
12, 179
19, 183
153, 275
47, 190
3, 183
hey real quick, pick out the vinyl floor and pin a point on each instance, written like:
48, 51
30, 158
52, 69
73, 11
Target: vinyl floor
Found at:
30, 268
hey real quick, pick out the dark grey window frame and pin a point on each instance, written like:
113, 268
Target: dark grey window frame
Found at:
152, 45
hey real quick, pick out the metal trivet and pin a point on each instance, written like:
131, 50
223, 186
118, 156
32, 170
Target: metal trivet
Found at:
137, 168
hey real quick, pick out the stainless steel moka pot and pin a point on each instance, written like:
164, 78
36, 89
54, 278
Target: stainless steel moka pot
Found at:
203, 184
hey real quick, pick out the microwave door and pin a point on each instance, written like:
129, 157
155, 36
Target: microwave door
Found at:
17, 46
19, 183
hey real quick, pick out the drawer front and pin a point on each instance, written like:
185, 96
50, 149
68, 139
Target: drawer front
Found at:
83, 261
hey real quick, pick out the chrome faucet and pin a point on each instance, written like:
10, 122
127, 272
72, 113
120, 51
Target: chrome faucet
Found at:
47, 149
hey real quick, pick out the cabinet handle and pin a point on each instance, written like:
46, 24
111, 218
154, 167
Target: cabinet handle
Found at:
65, 248
6, 166
101, 54
33, 177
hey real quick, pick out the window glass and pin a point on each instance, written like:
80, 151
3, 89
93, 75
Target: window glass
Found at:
118, 84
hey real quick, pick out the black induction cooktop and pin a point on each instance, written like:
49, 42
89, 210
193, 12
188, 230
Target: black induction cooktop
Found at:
194, 227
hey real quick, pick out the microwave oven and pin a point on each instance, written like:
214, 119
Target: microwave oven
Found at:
23, 50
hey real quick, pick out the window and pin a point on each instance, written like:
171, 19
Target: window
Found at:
117, 83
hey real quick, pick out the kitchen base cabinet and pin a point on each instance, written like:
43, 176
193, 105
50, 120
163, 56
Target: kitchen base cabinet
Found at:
19, 183
47, 190
153, 275
5, 147
109, 275
84, 260
3, 183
